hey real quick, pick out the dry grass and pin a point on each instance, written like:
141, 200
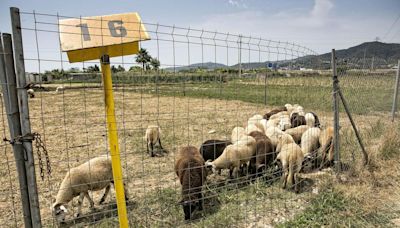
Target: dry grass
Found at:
73, 126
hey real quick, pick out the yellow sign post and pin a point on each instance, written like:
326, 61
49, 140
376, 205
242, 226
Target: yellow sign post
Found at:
103, 37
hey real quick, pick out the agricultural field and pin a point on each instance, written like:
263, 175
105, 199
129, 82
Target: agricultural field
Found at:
72, 125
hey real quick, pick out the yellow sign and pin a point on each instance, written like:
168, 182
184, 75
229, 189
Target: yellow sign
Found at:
89, 38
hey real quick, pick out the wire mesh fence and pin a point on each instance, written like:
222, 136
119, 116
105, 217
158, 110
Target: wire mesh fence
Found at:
196, 86
368, 87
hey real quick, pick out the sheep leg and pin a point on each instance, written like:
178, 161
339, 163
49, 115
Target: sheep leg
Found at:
80, 201
230, 173
103, 198
151, 149
86, 194
159, 143
201, 201
296, 183
126, 193
284, 179
323, 160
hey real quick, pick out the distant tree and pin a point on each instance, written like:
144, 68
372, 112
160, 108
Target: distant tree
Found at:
120, 68
143, 57
155, 63
114, 69
117, 69
55, 73
92, 69
135, 68
72, 70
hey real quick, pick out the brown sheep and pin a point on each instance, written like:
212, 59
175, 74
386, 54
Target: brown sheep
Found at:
326, 149
274, 111
189, 167
264, 152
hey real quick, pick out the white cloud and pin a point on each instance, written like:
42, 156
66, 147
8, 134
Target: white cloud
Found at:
316, 27
321, 8
238, 3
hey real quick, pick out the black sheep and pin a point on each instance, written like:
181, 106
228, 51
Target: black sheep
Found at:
213, 148
297, 120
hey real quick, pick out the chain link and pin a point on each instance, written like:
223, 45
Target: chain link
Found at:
41, 149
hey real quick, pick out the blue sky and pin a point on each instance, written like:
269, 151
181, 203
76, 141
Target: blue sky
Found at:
318, 24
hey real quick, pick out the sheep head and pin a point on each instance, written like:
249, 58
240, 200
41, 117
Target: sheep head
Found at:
209, 165
189, 206
59, 212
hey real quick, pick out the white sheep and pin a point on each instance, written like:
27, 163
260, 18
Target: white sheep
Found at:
234, 156
273, 123
94, 175
254, 127
297, 132
291, 158
152, 136
310, 119
254, 119
309, 140
278, 115
31, 93
272, 133
237, 133
327, 146
264, 122
284, 123
257, 121
297, 109
59, 89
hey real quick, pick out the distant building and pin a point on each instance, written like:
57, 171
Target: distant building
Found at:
33, 78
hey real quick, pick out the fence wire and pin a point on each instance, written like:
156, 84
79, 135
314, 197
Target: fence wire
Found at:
204, 85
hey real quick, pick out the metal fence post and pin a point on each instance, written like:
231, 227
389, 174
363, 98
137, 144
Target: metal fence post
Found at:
7, 78
240, 56
335, 112
265, 89
396, 91
24, 116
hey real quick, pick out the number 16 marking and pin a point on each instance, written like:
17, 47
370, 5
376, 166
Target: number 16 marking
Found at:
115, 27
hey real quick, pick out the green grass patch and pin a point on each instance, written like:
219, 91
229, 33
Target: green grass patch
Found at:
312, 97
331, 209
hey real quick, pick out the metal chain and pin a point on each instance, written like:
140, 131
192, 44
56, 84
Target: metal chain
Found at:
40, 147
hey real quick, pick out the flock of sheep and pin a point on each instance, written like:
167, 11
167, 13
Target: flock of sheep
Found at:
31, 91
283, 138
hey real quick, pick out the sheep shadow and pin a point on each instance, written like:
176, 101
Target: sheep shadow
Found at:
305, 184
211, 206
106, 211
160, 152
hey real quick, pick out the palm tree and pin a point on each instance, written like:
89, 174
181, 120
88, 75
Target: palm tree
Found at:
143, 57
155, 63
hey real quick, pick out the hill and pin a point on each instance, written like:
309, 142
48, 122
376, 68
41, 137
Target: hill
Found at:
378, 54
